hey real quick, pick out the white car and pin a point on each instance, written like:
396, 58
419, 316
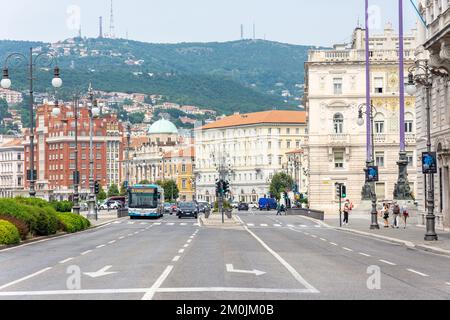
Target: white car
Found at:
113, 205
235, 204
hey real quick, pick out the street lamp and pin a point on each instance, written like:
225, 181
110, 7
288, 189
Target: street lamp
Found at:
128, 152
425, 78
369, 191
32, 62
93, 113
76, 175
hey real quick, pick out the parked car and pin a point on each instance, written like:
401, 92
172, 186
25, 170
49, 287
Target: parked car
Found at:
253, 206
187, 209
243, 206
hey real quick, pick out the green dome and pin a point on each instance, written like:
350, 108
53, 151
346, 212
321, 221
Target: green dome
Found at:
163, 127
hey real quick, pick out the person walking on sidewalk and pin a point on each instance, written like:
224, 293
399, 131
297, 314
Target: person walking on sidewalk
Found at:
405, 215
396, 212
385, 213
347, 209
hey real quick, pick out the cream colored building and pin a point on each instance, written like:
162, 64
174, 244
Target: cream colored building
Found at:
251, 147
11, 167
334, 90
434, 45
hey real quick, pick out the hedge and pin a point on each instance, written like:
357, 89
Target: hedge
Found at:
8, 233
19, 224
10, 207
73, 222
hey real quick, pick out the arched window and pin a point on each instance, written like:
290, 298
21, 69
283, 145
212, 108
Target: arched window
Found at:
338, 121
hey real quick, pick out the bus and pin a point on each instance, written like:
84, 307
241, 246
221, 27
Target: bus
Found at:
145, 201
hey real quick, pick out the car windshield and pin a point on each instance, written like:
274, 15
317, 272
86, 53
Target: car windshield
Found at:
187, 205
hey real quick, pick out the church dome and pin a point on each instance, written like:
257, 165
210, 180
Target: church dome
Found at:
163, 127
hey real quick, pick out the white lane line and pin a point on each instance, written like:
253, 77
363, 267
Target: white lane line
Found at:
314, 236
136, 232
347, 249
151, 292
291, 269
250, 224
189, 241
277, 225
334, 244
86, 252
417, 272
196, 224
111, 242
191, 237
323, 239
186, 245
157, 224
183, 224
176, 258
117, 222
130, 222
24, 278
130, 234
181, 251
67, 260
264, 225
121, 238
290, 225
144, 223
365, 254
303, 226
387, 262
101, 246
448, 283
170, 224
307, 233
316, 226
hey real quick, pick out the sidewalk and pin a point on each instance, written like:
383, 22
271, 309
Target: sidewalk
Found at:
104, 217
412, 236
215, 220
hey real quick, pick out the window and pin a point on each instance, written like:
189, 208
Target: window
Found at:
280, 160
288, 144
339, 159
337, 85
270, 145
379, 159
379, 127
410, 156
338, 123
409, 125
288, 131
297, 144
183, 184
378, 84
183, 168
269, 159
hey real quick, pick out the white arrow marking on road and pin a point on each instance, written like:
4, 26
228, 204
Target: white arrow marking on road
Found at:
230, 268
100, 273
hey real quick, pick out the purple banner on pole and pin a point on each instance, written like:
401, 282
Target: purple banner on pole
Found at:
368, 100
402, 77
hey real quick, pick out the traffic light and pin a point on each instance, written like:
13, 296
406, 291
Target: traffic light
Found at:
97, 187
344, 192
226, 187
338, 190
219, 188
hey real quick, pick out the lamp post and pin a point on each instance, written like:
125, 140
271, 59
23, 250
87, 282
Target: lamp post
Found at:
128, 152
76, 176
425, 79
369, 187
33, 61
93, 112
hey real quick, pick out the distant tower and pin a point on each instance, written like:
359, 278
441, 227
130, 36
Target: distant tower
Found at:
111, 23
242, 32
100, 24
79, 32
254, 31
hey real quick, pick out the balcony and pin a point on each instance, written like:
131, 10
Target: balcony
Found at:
357, 55
339, 139
379, 138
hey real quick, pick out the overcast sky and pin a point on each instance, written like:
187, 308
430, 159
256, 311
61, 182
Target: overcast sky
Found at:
309, 22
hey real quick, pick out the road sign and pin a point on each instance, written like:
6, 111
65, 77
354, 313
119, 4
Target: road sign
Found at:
429, 163
372, 174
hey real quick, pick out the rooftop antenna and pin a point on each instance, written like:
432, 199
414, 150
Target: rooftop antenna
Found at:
254, 31
100, 23
242, 32
111, 23
79, 31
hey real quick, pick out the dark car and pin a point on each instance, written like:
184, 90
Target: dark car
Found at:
243, 206
187, 209
204, 207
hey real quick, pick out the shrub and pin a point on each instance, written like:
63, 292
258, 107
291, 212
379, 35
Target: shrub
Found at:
62, 206
8, 233
35, 202
19, 224
73, 222
11, 208
46, 220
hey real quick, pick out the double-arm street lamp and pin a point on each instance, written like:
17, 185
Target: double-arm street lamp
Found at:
93, 113
43, 60
425, 78
369, 191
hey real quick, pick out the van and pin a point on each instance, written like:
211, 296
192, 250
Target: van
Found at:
264, 201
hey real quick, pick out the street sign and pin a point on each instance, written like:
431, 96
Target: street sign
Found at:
429, 163
372, 174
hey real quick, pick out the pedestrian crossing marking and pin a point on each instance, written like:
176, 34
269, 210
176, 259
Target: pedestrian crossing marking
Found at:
264, 225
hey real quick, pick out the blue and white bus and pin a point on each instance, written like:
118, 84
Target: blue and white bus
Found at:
145, 201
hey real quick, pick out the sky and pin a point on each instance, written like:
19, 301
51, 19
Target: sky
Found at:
306, 22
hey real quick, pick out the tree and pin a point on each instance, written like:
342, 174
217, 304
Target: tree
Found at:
144, 182
171, 191
281, 182
123, 190
136, 118
4, 113
113, 191
102, 194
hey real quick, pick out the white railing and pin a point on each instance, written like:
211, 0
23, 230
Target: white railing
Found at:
356, 55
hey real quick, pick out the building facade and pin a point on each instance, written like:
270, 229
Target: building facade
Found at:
11, 167
251, 148
11, 97
434, 46
179, 166
55, 151
334, 92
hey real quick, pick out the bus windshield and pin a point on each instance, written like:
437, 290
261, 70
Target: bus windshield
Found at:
145, 199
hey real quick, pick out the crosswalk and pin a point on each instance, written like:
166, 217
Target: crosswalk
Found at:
156, 224
279, 225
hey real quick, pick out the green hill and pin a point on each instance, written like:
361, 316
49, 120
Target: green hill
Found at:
246, 75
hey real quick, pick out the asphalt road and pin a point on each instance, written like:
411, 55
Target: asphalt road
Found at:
271, 257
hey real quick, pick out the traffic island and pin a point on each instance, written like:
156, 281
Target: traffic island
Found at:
215, 221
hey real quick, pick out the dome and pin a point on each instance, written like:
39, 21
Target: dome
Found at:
163, 127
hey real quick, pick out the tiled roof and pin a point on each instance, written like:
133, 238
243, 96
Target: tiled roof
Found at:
273, 116
12, 143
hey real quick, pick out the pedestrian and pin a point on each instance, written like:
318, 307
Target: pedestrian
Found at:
385, 212
405, 215
278, 209
396, 213
347, 209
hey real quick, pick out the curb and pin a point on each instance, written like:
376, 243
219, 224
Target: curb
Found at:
405, 243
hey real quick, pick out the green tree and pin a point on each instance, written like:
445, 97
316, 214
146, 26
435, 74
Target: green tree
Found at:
128, 102
123, 190
113, 191
136, 118
144, 182
4, 113
171, 191
102, 194
281, 182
